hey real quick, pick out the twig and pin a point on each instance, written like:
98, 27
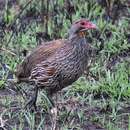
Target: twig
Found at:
8, 51
2, 123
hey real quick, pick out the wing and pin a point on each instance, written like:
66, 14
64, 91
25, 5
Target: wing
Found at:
39, 54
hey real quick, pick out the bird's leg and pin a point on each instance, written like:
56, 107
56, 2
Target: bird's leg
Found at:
54, 117
50, 101
54, 106
32, 101
54, 112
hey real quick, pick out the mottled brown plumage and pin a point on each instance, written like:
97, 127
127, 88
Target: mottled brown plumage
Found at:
58, 63
39, 54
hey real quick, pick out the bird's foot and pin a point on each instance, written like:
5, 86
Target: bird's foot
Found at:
54, 111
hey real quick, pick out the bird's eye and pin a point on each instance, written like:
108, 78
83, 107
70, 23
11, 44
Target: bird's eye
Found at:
83, 23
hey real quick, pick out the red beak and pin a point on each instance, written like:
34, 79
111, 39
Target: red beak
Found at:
91, 26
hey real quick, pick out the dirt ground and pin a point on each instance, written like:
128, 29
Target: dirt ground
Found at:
73, 113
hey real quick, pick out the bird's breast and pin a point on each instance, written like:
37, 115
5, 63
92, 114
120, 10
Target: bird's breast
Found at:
71, 67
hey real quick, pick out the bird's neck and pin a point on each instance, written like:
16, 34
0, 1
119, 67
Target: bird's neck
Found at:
79, 35
80, 44
80, 49
78, 40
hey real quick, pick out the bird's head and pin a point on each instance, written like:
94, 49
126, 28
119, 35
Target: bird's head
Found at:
80, 27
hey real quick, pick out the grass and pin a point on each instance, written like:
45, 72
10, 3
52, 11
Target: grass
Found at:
89, 103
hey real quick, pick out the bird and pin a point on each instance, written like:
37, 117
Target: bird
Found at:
56, 64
